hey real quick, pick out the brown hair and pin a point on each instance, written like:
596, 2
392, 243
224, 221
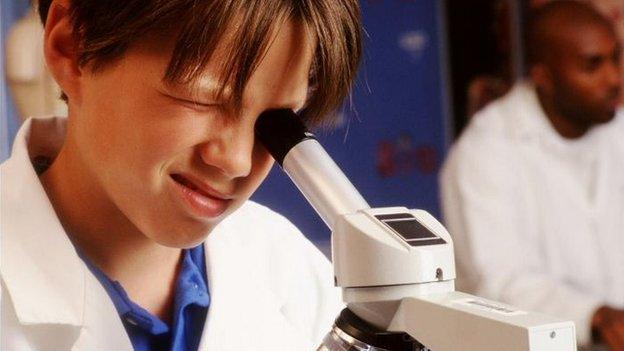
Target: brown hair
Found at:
106, 29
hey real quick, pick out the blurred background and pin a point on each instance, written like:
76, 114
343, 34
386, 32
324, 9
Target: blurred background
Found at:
429, 66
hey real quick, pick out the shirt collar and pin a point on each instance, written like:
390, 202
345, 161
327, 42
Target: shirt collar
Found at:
191, 289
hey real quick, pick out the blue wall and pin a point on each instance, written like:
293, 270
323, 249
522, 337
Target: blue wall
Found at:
393, 144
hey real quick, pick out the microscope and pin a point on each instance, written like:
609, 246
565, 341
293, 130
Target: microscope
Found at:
396, 266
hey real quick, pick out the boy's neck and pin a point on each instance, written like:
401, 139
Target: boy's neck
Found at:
145, 269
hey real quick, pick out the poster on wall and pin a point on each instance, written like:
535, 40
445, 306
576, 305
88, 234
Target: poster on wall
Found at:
392, 138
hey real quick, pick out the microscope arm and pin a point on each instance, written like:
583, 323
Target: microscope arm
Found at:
457, 321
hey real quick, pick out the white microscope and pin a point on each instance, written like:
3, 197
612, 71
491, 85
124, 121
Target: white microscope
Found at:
396, 267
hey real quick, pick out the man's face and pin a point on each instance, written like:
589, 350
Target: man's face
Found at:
173, 160
586, 74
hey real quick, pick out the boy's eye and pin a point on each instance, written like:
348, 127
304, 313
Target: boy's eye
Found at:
189, 102
198, 103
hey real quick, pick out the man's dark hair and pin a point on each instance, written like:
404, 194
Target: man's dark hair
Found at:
546, 20
106, 29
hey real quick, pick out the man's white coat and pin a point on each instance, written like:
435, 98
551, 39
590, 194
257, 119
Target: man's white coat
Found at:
538, 220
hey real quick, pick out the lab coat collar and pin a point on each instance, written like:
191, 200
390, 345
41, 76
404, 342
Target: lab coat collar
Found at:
242, 304
40, 269
532, 122
47, 282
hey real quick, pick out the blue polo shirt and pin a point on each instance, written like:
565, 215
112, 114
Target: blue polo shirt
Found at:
148, 332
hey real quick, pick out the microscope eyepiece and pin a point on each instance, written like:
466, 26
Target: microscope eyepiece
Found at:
279, 131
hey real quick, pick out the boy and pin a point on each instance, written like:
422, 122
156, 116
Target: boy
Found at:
127, 225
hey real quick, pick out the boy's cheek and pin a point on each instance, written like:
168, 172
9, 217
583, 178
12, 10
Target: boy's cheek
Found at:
260, 172
169, 132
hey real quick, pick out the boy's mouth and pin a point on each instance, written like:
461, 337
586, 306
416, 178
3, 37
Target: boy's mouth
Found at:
203, 200
185, 182
198, 187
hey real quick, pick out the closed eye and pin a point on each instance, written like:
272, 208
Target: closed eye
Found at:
198, 103
192, 103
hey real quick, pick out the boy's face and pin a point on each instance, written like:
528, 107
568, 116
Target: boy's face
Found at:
175, 161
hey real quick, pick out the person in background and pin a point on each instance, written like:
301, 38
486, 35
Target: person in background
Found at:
612, 9
128, 225
533, 191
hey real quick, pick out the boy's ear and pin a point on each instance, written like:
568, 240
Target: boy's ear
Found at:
60, 49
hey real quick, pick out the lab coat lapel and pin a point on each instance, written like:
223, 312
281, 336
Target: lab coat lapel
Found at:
48, 284
39, 267
244, 313
102, 328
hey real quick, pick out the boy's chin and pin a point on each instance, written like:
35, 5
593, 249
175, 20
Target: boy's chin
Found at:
184, 239
186, 243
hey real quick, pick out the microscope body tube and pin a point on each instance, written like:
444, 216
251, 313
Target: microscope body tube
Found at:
321, 181
286, 138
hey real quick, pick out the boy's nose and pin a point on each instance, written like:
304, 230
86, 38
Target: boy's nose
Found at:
230, 152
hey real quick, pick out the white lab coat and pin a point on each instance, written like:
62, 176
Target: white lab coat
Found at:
537, 220
270, 288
